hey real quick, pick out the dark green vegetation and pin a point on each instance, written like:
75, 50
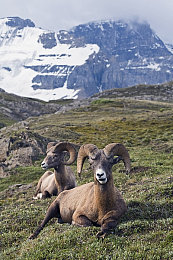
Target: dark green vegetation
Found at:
145, 232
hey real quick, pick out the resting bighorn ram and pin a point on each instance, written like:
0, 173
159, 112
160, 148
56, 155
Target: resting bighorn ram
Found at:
96, 203
52, 183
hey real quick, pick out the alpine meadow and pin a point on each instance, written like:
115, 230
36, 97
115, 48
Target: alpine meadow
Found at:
144, 127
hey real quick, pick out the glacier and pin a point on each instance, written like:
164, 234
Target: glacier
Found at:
21, 51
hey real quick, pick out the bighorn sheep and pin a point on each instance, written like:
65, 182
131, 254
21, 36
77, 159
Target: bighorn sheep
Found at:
52, 183
96, 203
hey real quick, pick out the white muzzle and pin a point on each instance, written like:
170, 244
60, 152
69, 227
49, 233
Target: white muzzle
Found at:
101, 176
44, 165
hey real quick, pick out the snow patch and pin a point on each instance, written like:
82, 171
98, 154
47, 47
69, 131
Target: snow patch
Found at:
20, 50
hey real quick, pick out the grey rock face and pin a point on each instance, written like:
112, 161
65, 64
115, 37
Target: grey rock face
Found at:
19, 23
129, 54
20, 150
51, 81
48, 40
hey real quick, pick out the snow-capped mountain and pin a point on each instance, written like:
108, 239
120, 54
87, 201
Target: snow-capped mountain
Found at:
34, 63
82, 61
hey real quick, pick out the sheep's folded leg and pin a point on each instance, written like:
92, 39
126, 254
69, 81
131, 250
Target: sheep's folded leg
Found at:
60, 221
81, 221
109, 222
107, 228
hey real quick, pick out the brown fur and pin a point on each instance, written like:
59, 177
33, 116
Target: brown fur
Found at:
92, 203
52, 183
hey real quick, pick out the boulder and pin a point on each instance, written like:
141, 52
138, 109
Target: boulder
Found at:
20, 149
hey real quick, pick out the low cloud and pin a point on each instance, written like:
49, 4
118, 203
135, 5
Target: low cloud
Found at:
58, 14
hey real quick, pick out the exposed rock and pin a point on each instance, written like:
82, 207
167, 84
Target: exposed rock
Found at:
48, 40
19, 23
2, 90
20, 149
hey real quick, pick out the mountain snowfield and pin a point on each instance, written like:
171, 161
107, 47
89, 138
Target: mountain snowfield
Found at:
20, 50
81, 62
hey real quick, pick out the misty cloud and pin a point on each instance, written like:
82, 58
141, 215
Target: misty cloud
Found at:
57, 14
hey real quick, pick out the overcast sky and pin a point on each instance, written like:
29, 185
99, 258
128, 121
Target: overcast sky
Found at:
64, 14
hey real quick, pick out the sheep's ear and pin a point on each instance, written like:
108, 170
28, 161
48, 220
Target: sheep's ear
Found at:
49, 145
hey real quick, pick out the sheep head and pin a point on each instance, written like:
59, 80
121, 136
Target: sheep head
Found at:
55, 155
101, 161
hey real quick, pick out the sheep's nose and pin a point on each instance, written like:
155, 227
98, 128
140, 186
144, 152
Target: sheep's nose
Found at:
43, 165
100, 174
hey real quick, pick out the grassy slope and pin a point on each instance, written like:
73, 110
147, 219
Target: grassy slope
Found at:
15, 108
145, 232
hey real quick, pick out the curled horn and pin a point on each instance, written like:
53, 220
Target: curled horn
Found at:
65, 146
84, 152
119, 150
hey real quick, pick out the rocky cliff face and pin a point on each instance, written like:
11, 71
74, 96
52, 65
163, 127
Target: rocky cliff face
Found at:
82, 61
129, 54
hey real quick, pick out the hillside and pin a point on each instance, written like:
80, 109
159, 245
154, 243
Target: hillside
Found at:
145, 232
159, 92
15, 108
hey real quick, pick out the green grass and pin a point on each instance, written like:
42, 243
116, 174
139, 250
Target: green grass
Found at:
5, 121
144, 232
21, 175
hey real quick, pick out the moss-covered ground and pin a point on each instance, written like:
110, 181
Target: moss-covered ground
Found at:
145, 231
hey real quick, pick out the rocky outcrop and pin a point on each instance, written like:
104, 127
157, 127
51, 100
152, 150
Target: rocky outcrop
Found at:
19, 23
48, 40
20, 149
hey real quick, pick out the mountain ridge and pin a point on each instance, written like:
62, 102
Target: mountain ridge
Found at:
80, 62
